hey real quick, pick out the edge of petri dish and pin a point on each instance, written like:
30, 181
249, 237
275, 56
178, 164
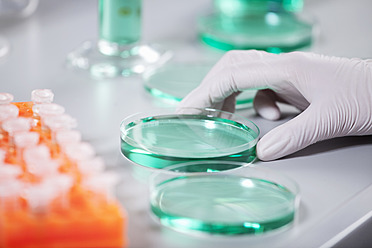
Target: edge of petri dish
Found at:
179, 111
267, 174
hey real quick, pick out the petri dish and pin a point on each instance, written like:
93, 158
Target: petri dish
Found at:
173, 81
163, 137
274, 32
244, 201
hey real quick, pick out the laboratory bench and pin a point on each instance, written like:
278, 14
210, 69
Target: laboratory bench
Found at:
334, 176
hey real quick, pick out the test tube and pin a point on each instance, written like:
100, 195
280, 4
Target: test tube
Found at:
40, 196
7, 111
9, 172
40, 96
80, 152
6, 98
43, 110
67, 137
37, 153
2, 156
62, 184
10, 191
43, 169
23, 140
39, 162
12, 126
19, 124
60, 122
103, 185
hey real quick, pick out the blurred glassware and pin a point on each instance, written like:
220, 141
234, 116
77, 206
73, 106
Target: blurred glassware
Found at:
272, 25
119, 51
18, 8
4, 46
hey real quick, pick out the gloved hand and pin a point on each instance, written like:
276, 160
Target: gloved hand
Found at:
335, 95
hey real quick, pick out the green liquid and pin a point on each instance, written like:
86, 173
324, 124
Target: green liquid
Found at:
238, 8
273, 32
271, 25
218, 204
120, 21
162, 141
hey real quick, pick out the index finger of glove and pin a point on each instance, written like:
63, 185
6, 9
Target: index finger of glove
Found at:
238, 71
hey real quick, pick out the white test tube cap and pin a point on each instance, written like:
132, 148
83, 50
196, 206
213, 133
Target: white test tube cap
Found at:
80, 151
92, 166
9, 172
2, 156
39, 196
8, 111
19, 124
62, 182
102, 184
43, 169
10, 189
42, 96
60, 122
36, 154
26, 139
47, 109
6, 98
66, 137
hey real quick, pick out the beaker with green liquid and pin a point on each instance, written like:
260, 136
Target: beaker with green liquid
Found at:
271, 25
119, 50
119, 25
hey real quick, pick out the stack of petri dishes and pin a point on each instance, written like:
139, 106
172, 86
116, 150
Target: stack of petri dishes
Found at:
203, 180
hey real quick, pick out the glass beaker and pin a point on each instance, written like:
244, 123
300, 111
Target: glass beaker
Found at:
119, 51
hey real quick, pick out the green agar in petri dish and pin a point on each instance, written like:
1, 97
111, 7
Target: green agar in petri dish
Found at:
222, 204
161, 141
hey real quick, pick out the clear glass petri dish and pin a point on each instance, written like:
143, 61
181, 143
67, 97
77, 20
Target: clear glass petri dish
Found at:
173, 81
199, 198
274, 32
163, 137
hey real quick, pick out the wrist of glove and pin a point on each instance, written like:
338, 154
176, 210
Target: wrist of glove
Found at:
334, 94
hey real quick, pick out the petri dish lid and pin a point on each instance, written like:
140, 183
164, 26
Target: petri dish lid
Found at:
162, 137
249, 200
174, 81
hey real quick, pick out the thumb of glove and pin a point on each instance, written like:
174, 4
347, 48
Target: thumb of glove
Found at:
305, 129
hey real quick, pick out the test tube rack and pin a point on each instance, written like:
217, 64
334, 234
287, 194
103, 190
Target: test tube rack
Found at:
54, 192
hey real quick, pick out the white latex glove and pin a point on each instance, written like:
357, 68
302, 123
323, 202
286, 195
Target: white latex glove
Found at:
334, 93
